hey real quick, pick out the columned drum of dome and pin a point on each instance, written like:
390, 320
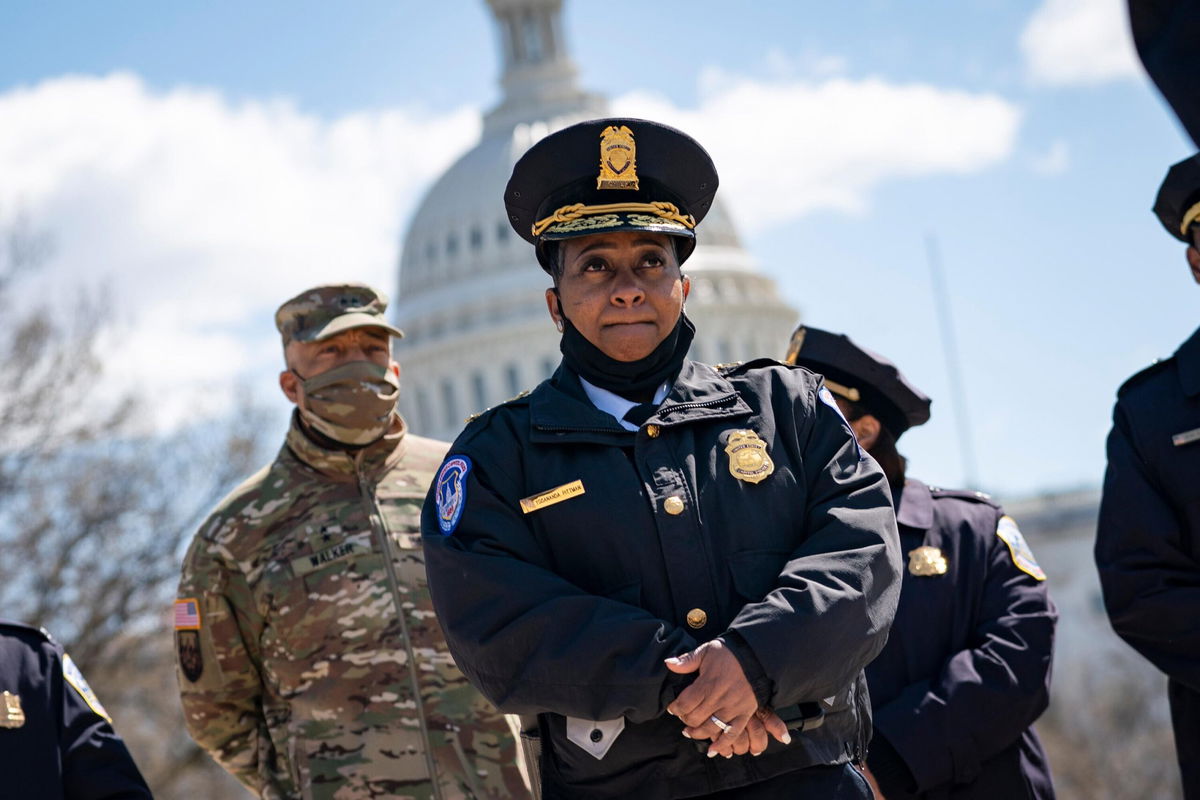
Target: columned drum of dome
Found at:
470, 291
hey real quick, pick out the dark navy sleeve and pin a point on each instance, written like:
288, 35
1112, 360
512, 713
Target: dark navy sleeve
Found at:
96, 764
1151, 582
834, 600
528, 639
987, 694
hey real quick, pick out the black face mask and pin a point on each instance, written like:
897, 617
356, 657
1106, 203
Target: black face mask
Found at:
630, 379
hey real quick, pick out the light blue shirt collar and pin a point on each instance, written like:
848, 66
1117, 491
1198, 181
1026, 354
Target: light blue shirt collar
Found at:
616, 405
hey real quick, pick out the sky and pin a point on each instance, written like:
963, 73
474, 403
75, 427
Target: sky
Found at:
203, 162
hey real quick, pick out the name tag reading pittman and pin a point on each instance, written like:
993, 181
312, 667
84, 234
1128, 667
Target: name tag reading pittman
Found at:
555, 495
1187, 437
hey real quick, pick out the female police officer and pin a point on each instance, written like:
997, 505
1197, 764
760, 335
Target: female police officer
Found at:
966, 669
648, 552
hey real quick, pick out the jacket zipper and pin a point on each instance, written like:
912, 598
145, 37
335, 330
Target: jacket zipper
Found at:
379, 527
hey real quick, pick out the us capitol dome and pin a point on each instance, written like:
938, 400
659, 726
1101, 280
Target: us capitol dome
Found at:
470, 297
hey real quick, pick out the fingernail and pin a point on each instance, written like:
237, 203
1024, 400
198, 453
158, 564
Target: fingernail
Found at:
687, 735
730, 755
787, 738
712, 753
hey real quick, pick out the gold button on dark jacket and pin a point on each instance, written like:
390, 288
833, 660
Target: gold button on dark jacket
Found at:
652, 431
673, 506
697, 618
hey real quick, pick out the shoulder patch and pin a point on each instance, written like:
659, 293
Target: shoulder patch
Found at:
1137, 377
964, 494
512, 399
732, 367
1022, 556
22, 627
74, 677
451, 492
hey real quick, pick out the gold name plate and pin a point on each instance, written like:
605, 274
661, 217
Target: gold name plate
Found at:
555, 495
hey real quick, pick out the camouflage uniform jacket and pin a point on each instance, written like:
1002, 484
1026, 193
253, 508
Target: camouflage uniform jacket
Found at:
294, 669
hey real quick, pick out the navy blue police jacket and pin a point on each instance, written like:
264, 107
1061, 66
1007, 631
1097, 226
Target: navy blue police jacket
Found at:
966, 669
53, 744
635, 547
1148, 536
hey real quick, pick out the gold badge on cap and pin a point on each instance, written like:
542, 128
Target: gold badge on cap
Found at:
748, 459
11, 713
926, 562
618, 159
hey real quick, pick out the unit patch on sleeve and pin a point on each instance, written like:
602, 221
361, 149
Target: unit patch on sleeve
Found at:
191, 662
1022, 556
451, 492
75, 678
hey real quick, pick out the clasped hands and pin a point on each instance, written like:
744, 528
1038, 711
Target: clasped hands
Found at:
722, 691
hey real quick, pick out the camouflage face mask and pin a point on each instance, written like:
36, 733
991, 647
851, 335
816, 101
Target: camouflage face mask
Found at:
351, 404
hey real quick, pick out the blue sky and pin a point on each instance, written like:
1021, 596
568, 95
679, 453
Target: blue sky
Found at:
125, 129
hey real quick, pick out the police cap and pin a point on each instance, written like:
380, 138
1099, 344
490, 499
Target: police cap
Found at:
604, 175
860, 376
1178, 203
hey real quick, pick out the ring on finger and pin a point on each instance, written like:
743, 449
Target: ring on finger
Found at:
724, 726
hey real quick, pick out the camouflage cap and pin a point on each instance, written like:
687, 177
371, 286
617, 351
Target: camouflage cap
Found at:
324, 311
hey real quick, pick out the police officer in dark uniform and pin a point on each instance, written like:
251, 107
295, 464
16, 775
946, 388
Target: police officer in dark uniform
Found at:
966, 669
56, 739
680, 569
1148, 537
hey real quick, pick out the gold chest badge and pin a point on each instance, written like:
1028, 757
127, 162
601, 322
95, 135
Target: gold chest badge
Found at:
748, 459
618, 159
926, 562
11, 713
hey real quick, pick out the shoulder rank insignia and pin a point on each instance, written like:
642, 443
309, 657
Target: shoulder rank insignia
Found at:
11, 713
618, 159
748, 459
926, 562
1022, 556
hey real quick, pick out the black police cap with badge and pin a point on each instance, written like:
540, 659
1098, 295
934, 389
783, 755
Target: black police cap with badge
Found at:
605, 175
860, 376
1178, 203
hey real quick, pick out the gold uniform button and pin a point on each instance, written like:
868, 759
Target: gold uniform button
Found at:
652, 431
697, 618
673, 506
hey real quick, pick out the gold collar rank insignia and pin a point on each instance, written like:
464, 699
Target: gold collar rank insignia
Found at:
748, 459
926, 562
11, 713
618, 159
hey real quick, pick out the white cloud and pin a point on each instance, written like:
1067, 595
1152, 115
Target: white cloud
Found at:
1079, 43
202, 215
789, 147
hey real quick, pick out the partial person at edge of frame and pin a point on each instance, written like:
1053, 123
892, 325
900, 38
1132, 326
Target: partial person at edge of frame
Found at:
1148, 535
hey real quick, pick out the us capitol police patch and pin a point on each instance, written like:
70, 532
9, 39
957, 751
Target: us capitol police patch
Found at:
451, 493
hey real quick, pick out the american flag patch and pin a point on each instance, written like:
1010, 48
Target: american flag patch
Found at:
187, 614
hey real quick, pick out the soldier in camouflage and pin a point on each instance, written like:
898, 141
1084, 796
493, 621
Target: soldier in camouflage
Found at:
296, 672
